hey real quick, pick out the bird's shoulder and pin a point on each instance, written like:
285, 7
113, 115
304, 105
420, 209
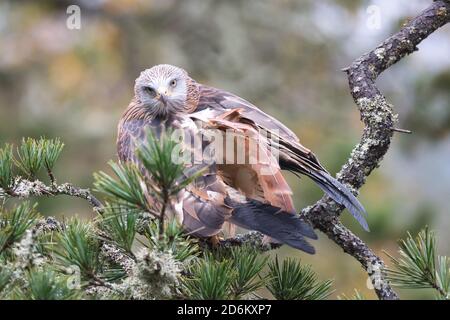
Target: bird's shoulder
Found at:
220, 100
215, 103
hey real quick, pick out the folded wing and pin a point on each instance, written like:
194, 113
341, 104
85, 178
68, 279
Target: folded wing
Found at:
292, 155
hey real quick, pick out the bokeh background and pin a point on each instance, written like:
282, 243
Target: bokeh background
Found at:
283, 55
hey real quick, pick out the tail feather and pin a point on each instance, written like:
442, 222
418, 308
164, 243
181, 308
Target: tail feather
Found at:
282, 226
341, 194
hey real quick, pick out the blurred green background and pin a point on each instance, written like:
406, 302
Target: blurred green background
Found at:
283, 55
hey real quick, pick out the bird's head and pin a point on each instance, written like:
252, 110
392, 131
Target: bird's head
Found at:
165, 89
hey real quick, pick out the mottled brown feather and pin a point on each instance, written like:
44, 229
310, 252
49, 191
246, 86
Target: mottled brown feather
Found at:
206, 206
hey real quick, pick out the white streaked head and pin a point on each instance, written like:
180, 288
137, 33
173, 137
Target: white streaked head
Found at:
163, 89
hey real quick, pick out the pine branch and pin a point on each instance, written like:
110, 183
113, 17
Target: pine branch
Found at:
252, 238
118, 256
32, 156
101, 252
24, 189
419, 266
14, 223
292, 281
167, 177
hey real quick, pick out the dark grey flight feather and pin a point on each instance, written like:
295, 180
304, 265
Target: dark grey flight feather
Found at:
287, 228
297, 161
341, 194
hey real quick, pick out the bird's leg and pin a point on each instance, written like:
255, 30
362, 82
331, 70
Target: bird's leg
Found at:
215, 241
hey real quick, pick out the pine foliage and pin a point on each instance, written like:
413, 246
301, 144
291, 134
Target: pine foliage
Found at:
135, 248
292, 281
418, 265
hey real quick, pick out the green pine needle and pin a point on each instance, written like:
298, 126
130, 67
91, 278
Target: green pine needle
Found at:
248, 263
156, 157
47, 285
173, 240
292, 281
30, 156
52, 150
5, 277
418, 266
167, 174
14, 223
129, 187
356, 296
6, 167
79, 247
210, 279
443, 277
120, 223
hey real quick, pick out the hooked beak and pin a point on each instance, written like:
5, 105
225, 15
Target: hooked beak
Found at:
162, 98
163, 93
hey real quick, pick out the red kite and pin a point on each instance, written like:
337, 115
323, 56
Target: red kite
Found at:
250, 194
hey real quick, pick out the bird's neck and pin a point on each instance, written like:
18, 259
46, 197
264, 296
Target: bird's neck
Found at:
192, 95
136, 111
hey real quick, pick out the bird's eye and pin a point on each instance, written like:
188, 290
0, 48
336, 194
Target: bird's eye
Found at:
173, 83
150, 91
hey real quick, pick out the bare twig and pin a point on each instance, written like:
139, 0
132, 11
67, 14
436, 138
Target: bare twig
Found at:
379, 119
401, 130
162, 213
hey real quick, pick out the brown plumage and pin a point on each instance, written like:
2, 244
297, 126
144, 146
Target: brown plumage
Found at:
252, 194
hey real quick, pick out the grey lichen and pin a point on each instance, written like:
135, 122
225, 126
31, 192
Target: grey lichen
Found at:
27, 257
379, 52
26, 252
375, 269
253, 238
48, 224
117, 255
155, 275
24, 188
376, 111
442, 11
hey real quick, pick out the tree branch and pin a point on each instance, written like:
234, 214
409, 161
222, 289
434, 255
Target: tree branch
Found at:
379, 119
23, 189
118, 256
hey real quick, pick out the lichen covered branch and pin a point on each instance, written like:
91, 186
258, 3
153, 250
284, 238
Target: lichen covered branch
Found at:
253, 239
23, 189
379, 120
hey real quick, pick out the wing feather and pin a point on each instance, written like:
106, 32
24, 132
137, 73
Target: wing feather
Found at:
292, 155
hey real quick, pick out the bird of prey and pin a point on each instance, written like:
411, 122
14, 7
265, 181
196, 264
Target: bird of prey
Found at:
252, 194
